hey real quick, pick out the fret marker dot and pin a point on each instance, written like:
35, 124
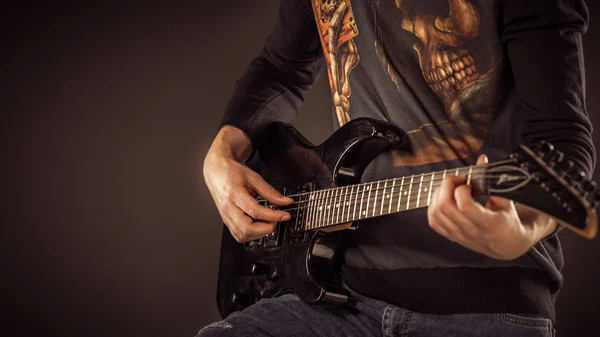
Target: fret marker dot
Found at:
337, 205
364, 212
405, 192
328, 206
347, 203
367, 188
388, 196
320, 208
425, 189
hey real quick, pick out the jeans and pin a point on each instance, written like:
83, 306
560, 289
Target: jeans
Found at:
289, 316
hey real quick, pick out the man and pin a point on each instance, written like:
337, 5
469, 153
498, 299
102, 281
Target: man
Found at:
467, 80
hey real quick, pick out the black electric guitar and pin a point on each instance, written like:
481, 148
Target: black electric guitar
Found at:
301, 255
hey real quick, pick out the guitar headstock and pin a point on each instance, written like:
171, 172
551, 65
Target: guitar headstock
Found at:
541, 179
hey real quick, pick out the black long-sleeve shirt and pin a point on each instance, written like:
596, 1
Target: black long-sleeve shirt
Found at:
461, 77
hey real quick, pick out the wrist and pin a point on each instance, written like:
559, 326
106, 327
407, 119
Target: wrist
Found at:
231, 142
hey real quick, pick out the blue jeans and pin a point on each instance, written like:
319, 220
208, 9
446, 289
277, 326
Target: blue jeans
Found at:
289, 316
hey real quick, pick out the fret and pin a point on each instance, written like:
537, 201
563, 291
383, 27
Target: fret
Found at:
298, 201
328, 207
370, 189
320, 203
400, 194
409, 191
374, 199
311, 202
362, 197
337, 205
391, 195
469, 175
383, 197
355, 202
430, 188
420, 187
344, 195
315, 209
349, 203
332, 206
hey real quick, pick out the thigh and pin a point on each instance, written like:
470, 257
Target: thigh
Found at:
401, 322
287, 315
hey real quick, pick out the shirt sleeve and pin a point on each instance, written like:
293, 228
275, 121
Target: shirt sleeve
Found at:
273, 86
544, 47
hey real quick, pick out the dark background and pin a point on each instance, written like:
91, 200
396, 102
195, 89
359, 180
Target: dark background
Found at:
107, 112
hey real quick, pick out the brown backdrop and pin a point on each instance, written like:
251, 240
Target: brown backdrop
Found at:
107, 112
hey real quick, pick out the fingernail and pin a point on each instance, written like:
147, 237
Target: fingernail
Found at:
286, 217
485, 159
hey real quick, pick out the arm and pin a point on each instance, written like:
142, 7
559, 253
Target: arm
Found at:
273, 86
543, 42
271, 89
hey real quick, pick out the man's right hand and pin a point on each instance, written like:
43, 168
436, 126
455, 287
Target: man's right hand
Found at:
233, 186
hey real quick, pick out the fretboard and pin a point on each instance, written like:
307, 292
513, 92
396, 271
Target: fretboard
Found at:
350, 203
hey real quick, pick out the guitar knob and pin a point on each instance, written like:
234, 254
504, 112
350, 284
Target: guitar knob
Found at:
554, 157
241, 299
261, 269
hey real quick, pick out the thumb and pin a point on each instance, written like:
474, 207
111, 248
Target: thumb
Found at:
482, 159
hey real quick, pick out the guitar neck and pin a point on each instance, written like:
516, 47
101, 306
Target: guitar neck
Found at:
324, 208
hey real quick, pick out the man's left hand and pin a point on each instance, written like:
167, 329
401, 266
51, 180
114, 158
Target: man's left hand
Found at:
500, 229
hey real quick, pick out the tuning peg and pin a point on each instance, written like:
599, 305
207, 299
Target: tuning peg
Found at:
543, 147
553, 157
589, 187
578, 176
566, 167
596, 199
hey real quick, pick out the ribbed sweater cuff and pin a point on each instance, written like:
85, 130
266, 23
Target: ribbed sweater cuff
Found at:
251, 117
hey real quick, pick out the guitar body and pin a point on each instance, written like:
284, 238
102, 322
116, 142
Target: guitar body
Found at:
304, 255
304, 262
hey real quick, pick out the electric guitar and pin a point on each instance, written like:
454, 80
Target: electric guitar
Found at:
304, 255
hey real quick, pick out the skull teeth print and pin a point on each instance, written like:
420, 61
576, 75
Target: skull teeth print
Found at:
451, 69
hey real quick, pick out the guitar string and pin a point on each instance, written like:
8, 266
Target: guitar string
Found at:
473, 168
475, 174
412, 199
352, 192
327, 219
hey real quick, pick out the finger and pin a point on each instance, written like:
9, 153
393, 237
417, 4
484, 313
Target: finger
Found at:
246, 228
455, 234
470, 209
501, 204
267, 191
446, 190
482, 160
258, 212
